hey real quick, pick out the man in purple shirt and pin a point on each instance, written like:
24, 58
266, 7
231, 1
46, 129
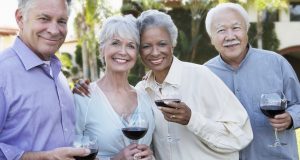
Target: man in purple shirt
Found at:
36, 105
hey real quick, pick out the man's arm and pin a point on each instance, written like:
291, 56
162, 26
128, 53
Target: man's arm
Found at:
7, 152
291, 89
63, 153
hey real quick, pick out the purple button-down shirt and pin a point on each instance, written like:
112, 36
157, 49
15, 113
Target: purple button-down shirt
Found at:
36, 110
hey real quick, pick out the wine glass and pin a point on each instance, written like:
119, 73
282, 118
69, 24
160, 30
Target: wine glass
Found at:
162, 99
135, 126
89, 142
272, 104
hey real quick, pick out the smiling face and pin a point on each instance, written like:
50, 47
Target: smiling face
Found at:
44, 28
119, 54
156, 50
229, 36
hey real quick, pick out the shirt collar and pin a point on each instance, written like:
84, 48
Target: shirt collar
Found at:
27, 57
31, 60
173, 77
249, 52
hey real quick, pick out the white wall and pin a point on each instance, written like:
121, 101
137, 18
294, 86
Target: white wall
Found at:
288, 33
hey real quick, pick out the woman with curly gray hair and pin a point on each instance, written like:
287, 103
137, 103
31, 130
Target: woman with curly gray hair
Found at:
209, 122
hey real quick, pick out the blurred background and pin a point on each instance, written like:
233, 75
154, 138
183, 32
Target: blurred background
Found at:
275, 25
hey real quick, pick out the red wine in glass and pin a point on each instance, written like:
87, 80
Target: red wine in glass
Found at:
89, 142
135, 126
271, 110
162, 102
91, 156
272, 104
134, 133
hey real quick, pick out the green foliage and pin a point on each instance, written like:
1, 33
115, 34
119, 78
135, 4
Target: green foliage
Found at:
150, 4
136, 7
78, 55
66, 60
133, 79
91, 13
261, 5
269, 37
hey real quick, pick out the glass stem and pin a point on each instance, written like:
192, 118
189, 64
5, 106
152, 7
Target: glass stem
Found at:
169, 130
133, 141
277, 141
169, 139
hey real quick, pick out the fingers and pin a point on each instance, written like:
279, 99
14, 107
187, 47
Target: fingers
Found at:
77, 91
82, 87
178, 113
69, 152
87, 81
132, 146
145, 152
281, 121
284, 115
79, 152
132, 153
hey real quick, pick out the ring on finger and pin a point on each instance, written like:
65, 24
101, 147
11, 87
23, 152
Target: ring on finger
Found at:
81, 82
172, 116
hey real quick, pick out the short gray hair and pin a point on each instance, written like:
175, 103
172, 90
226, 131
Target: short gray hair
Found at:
24, 5
233, 6
123, 26
155, 18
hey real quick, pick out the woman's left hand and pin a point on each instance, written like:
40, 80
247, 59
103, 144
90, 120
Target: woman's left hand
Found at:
177, 112
145, 154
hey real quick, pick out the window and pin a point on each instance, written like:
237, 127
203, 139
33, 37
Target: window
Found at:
295, 11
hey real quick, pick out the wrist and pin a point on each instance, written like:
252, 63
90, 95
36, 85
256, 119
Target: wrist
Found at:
43, 155
46, 155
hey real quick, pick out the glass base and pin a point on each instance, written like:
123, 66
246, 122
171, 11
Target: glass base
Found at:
277, 144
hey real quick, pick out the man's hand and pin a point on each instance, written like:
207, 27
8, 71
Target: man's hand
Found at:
281, 121
82, 87
64, 153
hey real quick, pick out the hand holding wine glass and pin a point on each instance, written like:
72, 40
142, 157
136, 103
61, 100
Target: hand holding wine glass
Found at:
166, 99
135, 126
88, 142
272, 104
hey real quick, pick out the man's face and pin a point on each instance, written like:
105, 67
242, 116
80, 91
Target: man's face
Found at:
229, 36
44, 28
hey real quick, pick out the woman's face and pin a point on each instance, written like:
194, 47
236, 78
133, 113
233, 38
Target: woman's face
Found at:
156, 49
120, 54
